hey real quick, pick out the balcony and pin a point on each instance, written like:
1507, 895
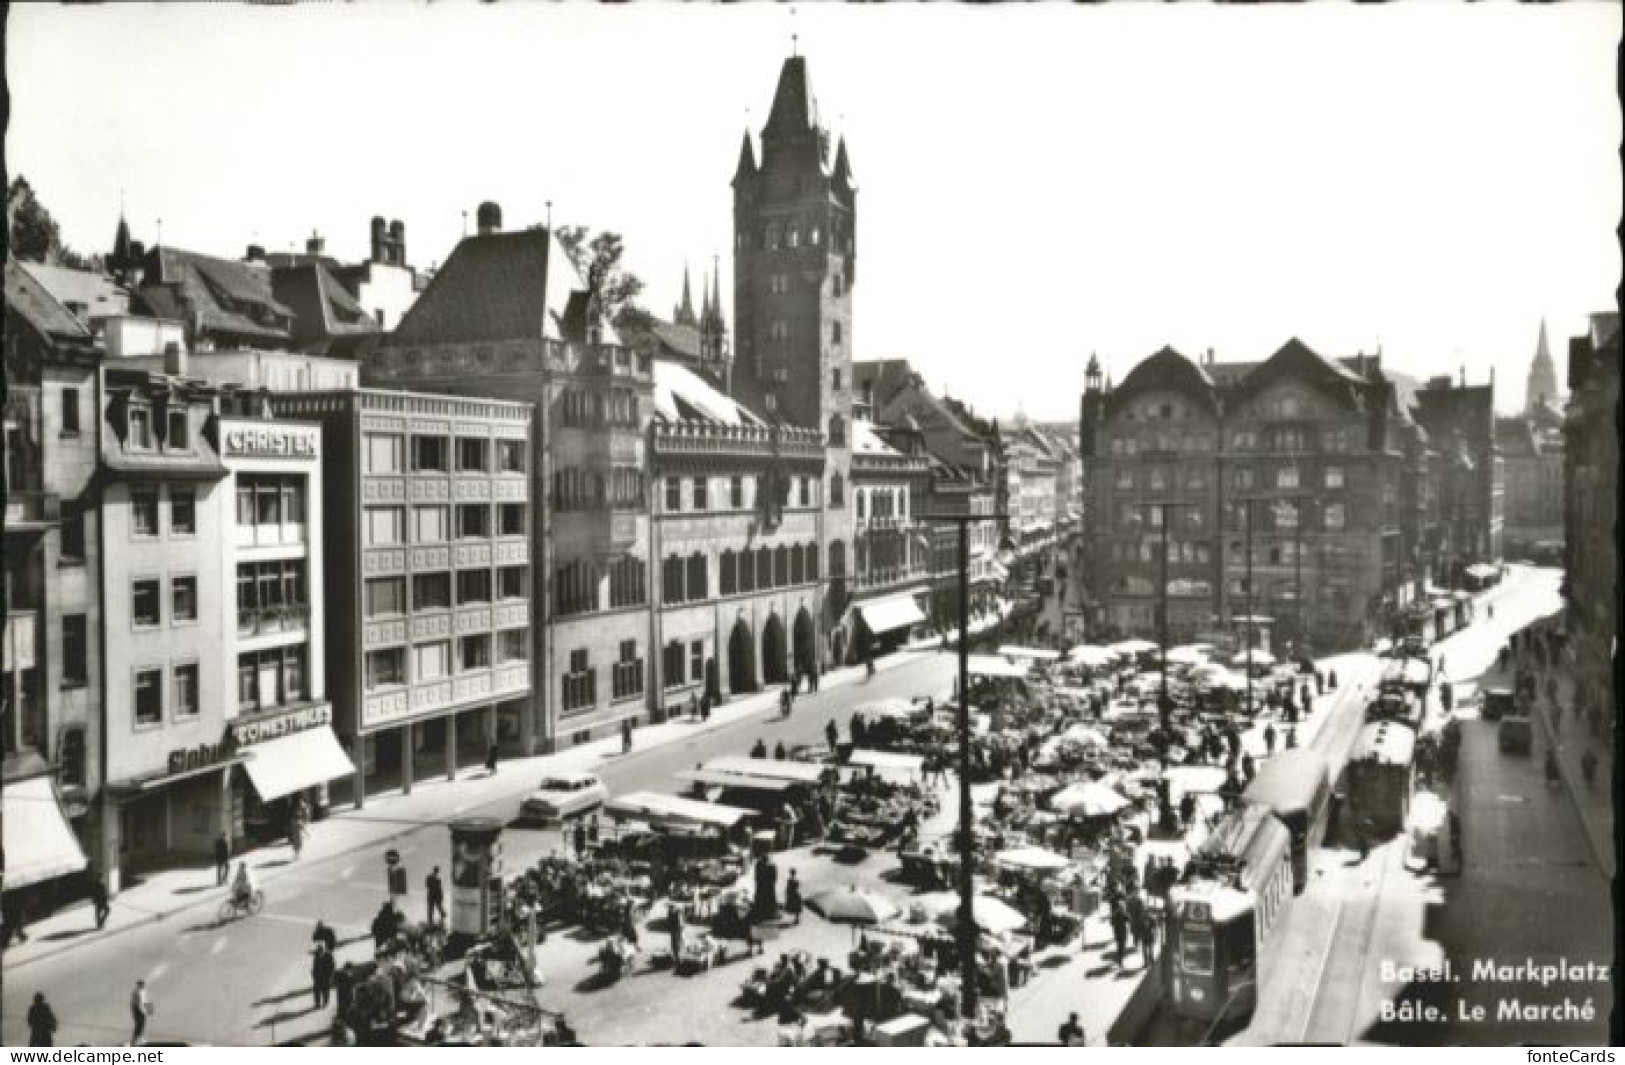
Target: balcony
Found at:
270, 620
30, 513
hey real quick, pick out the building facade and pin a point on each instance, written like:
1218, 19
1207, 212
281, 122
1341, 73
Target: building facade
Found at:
1591, 515
430, 646
1272, 490
891, 552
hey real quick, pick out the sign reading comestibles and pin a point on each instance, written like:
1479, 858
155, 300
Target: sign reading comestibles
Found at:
273, 441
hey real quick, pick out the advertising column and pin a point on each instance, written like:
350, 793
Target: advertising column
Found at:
476, 877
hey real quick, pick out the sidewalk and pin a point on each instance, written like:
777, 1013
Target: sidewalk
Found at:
387, 816
1569, 739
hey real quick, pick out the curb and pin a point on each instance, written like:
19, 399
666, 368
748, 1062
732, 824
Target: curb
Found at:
890, 662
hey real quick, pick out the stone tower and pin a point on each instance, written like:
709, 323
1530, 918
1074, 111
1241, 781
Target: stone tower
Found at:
1542, 388
794, 255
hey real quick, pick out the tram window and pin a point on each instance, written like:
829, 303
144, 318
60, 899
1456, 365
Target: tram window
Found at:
1196, 951
1238, 946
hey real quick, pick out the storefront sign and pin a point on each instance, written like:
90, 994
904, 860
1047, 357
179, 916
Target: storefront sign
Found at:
262, 729
203, 755
297, 442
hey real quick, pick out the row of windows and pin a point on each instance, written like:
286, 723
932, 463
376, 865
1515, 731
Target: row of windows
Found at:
575, 585
768, 567
146, 601
386, 526
274, 677
579, 687
671, 663
696, 493
685, 580
386, 596
269, 500
147, 430
577, 489
434, 660
1282, 438
263, 586
149, 694
1186, 587
144, 514
1179, 551
585, 408
387, 453
881, 503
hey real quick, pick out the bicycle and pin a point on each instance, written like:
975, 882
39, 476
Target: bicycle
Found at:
236, 907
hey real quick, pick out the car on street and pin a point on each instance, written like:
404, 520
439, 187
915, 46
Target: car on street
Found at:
563, 796
1514, 734
1499, 702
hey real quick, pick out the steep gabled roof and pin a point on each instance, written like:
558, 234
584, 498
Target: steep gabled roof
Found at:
499, 286
97, 293
32, 303
681, 395
1166, 370
1298, 360
220, 295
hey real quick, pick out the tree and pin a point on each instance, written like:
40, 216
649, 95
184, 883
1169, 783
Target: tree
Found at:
34, 235
614, 288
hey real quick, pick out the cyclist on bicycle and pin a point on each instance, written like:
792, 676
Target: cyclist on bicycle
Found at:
243, 887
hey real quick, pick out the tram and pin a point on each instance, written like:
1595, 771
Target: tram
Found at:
1233, 894
1296, 786
1381, 775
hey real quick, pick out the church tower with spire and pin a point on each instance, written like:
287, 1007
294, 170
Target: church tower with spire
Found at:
713, 328
683, 313
1542, 389
794, 258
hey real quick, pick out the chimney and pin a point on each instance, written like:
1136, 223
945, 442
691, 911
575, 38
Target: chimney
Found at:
315, 244
174, 359
255, 254
1210, 358
397, 242
489, 218
378, 239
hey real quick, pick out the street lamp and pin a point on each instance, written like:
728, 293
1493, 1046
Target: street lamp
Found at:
1165, 703
967, 867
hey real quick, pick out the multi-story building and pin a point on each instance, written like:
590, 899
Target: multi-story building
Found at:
736, 516
509, 317
1467, 473
431, 644
212, 597
51, 673
1531, 450
891, 570
1591, 514
1272, 489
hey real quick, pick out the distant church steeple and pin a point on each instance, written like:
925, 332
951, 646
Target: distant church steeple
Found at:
1542, 388
684, 313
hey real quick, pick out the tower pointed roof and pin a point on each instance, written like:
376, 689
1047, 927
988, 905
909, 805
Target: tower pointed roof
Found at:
794, 110
684, 315
747, 159
121, 245
843, 165
712, 317
1542, 387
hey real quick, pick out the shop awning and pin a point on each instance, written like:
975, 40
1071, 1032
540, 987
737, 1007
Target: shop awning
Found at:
1012, 651
292, 763
1482, 569
39, 844
886, 615
659, 809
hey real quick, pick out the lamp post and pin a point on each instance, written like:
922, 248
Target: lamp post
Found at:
966, 926
1165, 704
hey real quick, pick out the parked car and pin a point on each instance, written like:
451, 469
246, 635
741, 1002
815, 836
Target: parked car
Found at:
1498, 703
562, 797
1514, 734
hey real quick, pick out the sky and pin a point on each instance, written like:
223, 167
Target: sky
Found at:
1036, 182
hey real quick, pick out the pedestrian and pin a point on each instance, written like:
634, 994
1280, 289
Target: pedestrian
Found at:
384, 926
1269, 739
222, 859
1071, 1033
580, 835
492, 752
1331, 679
693, 707
785, 702
705, 707
626, 735
98, 901
324, 936
344, 988
436, 892
12, 915
779, 753
1292, 737
1320, 683
1457, 844
1119, 931
41, 1022
321, 976
759, 750
1145, 935
674, 918
1362, 837
832, 734
140, 1009
792, 897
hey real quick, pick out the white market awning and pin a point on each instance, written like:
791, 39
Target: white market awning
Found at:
39, 843
1482, 569
902, 763
887, 615
713, 779
1011, 651
794, 772
993, 666
659, 809
292, 763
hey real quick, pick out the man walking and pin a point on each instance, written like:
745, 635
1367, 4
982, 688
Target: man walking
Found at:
831, 734
436, 892
344, 984
1120, 932
1071, 1033
626, 735
140, 1010
321, 976
1269, 739
41, 1022
222, 859
491, 753
98, 902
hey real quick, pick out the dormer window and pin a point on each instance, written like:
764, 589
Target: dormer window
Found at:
140, 428
179, 439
